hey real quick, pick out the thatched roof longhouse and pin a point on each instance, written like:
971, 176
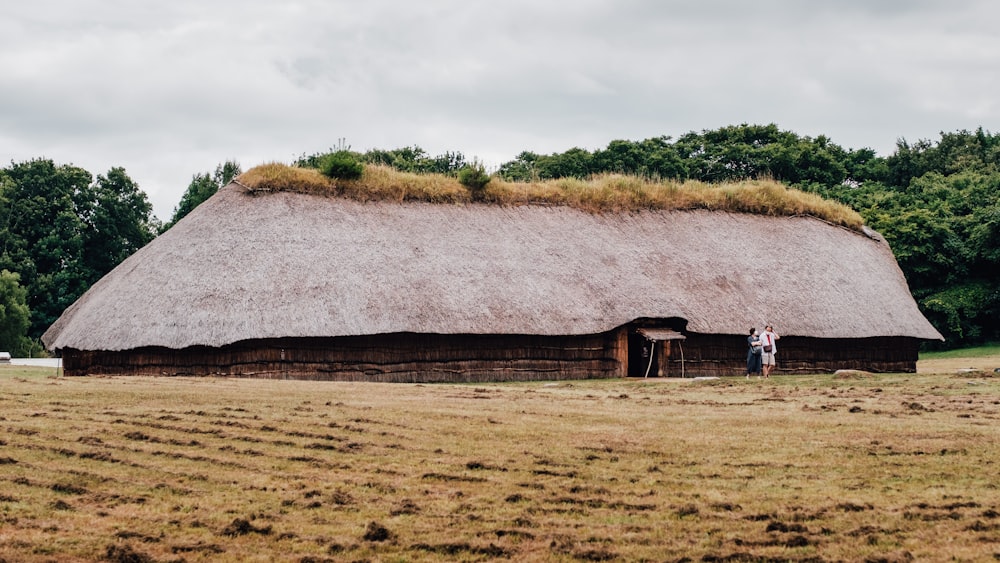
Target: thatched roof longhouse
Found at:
244, 266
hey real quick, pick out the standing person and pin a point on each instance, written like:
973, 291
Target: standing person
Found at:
753, 353
769, 342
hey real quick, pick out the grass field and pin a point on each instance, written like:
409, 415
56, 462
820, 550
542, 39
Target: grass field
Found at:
989, 354
796, 468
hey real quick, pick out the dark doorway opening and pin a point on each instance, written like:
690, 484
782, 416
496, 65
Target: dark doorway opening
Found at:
642, 355
655, 348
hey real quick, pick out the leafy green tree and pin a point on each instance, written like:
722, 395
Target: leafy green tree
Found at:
117, 221
928, 250
14, 315
726, 154
752, 151
341, 164
943, 228
960, 151
60, 231
984, 239
965, 313
474, 177
864, 166
521, 169
41, 235
405, 159
662, 160
447, 162
729, 153
622, 157
574, 163
202, 187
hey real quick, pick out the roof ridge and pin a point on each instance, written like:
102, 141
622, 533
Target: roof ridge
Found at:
606, 193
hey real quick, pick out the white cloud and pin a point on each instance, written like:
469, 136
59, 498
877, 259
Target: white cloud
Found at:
168, 90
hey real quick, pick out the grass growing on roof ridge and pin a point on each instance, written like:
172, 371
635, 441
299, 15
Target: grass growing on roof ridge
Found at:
599, 194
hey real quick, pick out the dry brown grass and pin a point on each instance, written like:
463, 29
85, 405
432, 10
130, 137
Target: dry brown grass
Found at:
276, 177
601, 194
979, 359
954, 365
794, 468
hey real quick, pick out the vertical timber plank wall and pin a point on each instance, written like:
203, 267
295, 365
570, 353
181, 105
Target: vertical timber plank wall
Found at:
458, 358
391, 357
663, 368
619, 342
721, 355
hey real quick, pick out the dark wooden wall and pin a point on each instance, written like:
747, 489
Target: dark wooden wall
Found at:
720, 355
391, 357
425, 358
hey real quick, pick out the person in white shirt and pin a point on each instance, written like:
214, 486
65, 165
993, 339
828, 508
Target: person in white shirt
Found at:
769, 340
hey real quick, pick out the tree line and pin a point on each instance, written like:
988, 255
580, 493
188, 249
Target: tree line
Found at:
937, 203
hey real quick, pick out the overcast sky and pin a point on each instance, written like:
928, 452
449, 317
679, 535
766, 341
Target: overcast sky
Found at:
170, 89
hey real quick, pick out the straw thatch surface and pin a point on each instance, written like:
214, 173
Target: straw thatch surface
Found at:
245, 266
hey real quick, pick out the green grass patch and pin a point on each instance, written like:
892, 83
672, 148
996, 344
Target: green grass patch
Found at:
976, 352
28, 371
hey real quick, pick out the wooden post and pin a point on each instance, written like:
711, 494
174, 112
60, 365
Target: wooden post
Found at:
664, 359
619, 350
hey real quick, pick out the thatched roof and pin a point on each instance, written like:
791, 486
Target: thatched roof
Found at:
244, 266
